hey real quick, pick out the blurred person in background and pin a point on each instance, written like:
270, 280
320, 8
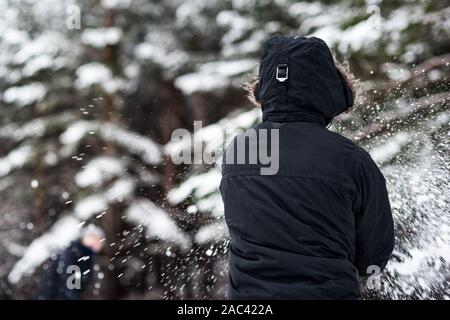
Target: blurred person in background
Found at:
324, 218
59, 280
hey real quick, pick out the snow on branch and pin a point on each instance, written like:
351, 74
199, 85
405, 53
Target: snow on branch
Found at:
101, 37
212, 233
95, 73
199, 185
119, 191
91, 74
90, 205
211, 203
99, 170
98, 203
213, 75
203, 187
159, 225
213, 135
25, 95
48, 50
48, 43
167, 59
15, 159
143, 146
235, 41
37, 127
328, 23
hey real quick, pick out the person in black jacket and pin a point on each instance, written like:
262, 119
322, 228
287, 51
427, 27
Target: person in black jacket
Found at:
308, 229
73, 264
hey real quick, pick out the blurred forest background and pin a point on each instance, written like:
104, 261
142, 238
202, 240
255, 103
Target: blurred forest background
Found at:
86, 116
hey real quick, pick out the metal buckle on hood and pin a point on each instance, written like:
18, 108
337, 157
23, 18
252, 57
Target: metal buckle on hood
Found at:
282, 72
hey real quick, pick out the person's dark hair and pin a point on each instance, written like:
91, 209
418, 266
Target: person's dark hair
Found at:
251, 85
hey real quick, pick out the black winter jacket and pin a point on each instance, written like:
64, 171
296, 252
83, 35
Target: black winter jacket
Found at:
308, 230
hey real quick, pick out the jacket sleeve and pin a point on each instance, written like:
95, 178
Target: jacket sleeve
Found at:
373, 217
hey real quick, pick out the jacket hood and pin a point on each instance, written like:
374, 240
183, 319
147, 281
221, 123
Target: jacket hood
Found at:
298, 80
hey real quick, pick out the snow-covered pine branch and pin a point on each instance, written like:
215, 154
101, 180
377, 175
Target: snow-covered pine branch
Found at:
143, 146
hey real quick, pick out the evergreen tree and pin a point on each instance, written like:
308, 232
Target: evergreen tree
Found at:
87, 114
